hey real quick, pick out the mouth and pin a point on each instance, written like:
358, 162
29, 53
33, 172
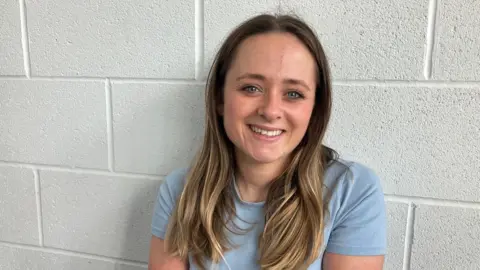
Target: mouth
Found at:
271, 133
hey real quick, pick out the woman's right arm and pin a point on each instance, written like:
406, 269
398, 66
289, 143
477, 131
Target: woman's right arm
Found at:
161, 260
168, 194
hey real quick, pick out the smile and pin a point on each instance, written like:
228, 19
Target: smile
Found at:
269, 133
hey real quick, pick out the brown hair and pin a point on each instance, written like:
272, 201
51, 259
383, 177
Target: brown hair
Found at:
295, 209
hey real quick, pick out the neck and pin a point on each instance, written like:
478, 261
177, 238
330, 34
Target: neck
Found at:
253, 179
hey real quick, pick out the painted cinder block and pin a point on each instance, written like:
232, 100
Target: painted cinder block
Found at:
147, 39
53, 122
96, 214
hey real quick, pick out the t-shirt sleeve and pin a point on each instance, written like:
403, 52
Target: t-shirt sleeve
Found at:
359, 227
168, 193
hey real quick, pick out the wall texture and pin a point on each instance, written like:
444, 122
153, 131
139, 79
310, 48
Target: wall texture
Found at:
101, 99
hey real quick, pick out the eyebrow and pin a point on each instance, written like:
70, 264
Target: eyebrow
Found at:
262, 78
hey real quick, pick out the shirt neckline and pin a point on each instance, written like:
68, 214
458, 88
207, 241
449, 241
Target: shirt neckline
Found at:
239, 198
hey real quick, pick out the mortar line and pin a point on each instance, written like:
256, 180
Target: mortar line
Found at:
73, 253
154, 81
379, 83
38, 197
199, 39
102, 79
25, 40
13, 77
388, 197
55, 168
109, 114
432, 18
399, 83
432, 201
407, 252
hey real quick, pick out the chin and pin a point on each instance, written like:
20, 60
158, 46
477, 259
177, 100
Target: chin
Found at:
265, 158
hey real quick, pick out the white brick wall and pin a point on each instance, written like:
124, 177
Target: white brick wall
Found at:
100, 100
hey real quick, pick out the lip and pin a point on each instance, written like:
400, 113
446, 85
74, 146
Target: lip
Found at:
267, 128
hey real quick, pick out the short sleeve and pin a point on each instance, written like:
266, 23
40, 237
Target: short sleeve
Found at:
359, 227
168, 193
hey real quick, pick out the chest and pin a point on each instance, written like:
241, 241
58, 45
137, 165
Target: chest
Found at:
245, 255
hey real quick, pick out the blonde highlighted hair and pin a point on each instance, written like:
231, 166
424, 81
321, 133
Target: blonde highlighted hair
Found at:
295, 208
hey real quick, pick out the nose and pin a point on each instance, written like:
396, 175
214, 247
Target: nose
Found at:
271, 107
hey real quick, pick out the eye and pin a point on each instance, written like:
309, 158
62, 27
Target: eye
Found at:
250, 89
294, 95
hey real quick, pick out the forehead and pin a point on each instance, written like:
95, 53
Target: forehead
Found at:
275, 55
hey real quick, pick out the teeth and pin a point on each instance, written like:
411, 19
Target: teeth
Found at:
266, 132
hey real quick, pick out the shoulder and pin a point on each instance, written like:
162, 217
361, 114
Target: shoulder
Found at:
168, 194
351, 175
356, 208
175, 181
353, 189
177, 177
171, 188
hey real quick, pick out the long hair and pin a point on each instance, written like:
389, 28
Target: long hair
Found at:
296, 206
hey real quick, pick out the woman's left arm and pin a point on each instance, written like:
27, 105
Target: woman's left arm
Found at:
347, 262
358, 237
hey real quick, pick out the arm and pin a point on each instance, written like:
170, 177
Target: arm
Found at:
358, 237
160, 260
168, 194
332, 261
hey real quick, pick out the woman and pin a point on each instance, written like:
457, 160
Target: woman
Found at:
263, 192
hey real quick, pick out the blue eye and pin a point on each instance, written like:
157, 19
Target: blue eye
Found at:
294, 95
250, 89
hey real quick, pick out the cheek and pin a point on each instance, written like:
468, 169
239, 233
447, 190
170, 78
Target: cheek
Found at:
232, 114
235, 108
302, 118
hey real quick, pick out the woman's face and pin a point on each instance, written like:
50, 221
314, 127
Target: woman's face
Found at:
269, 96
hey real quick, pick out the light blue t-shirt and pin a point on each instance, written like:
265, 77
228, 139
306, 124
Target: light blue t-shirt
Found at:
356, 224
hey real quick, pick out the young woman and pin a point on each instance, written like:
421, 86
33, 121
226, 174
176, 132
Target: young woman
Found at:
263, 191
